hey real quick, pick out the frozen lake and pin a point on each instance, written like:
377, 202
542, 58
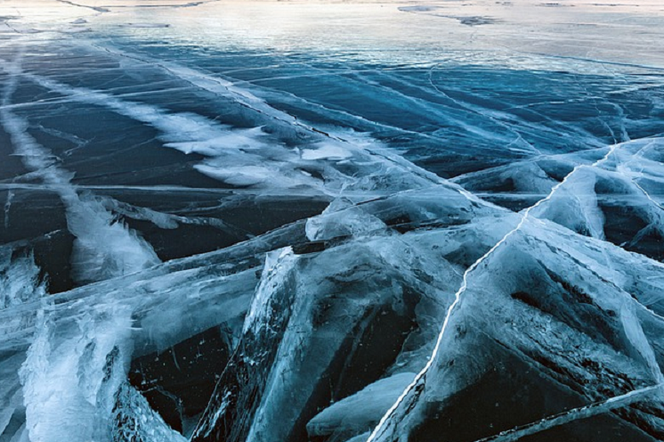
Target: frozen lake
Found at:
331, 221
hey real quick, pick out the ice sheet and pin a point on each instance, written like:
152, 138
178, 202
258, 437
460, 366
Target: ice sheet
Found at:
345, 221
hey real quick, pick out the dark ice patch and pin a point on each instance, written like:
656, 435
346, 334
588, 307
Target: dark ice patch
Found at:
476, 20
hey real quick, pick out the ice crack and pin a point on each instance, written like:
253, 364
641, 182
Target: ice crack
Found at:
94, 258
94, 8
457, 297
584, 412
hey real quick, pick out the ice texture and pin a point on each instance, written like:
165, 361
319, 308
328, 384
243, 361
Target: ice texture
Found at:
362, 410
331, 221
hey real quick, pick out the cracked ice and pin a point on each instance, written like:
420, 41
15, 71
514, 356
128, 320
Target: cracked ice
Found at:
331, 221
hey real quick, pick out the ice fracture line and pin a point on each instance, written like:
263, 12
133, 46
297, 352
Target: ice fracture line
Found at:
464, 285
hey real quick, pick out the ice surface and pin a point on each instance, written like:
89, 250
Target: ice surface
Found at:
93, 258
362, 410
331, 221
136, 421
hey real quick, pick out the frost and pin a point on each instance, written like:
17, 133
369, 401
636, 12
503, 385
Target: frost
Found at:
19, 278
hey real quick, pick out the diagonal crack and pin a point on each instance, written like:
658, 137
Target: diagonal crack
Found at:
514, 434
421, 376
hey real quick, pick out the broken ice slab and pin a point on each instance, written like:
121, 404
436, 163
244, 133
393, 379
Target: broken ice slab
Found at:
360, 411
539, 329
120, 319
333, 329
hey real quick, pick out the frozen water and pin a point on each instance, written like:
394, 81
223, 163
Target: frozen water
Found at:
331, 221
362, 410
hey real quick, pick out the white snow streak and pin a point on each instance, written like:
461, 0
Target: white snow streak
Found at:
94, 256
